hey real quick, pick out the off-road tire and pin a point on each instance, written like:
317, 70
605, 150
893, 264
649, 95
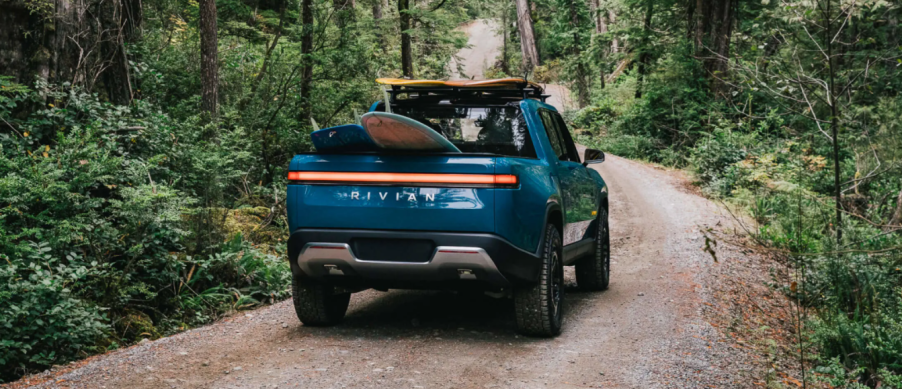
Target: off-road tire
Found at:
594, 271
317, 303
539, 308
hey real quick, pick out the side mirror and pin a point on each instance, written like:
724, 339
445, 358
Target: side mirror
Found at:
593, 156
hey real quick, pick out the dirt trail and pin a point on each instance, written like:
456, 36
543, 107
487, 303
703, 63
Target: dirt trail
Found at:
483, 47
645, 331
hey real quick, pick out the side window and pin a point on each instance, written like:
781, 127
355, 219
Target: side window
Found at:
554, 134
568, 140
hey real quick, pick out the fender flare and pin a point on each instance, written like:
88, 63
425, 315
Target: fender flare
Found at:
552, 205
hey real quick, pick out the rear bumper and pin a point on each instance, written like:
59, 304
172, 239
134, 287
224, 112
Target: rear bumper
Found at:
457, 260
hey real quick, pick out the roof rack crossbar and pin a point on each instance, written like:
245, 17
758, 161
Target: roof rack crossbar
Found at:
524, 92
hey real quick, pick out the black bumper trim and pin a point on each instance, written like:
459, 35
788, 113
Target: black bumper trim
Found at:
516, 265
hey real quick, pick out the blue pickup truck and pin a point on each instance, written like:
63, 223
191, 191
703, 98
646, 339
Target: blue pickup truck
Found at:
500, 209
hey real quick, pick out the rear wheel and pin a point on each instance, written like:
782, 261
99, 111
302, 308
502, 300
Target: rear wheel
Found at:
539, 308
317, 303
594, 271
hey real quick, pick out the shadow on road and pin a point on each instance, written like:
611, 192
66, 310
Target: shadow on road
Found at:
455, 315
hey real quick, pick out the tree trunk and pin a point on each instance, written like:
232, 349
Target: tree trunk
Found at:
527, 36
406, 55
701, 25
307, 65
896, 219
601, 27
644, 55
615, 43
209, 58
505, 36
117, 78
722, 45
712, 35
834, 123
582, 90
83, 43
377, 24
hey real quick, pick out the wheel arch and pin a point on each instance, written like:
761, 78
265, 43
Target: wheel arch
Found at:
554, 214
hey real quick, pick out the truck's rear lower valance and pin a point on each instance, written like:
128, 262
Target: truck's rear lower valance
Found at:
404, 179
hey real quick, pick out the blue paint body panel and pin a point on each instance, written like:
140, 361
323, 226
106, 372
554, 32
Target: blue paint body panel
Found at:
518, 215
390, 207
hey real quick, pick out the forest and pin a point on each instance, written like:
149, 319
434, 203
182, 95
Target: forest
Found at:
145, 145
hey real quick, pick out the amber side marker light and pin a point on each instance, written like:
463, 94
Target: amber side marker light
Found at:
415, 179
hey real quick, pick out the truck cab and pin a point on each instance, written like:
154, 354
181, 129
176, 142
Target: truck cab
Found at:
504, 211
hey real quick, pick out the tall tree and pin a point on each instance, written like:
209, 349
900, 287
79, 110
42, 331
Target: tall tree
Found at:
527, 36
600, 25
117, 79
828, 43
377, 24
644, 53
615, 43
406, 55
712, 34
83, 43
600, 17
306, 61
209, 58
582, 87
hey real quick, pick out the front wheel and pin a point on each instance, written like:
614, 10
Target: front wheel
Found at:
594, 271
317, 303
539, 308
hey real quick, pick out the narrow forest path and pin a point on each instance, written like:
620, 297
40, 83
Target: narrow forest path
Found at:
649, 330
484, 45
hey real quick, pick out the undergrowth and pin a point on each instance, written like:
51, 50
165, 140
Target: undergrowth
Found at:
781, 177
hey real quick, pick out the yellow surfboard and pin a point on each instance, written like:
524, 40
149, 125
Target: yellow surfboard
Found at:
405, 82
495, 83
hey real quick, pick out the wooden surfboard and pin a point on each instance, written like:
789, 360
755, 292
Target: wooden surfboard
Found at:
395, 132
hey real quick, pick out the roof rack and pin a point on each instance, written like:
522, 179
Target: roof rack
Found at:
505, 89
413, 93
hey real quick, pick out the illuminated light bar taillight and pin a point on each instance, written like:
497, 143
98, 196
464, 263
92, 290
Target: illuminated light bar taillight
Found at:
413, 179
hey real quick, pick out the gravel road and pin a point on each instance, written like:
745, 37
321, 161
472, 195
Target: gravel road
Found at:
646, 331
483, 47
649, 330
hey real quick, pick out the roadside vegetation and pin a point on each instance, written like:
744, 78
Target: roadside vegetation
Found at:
787, 110
137, 198
144, 153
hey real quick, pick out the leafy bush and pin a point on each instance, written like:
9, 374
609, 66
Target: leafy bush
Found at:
42, 321
105, 228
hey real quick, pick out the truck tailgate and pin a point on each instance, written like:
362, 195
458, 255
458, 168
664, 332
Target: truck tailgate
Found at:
387, 202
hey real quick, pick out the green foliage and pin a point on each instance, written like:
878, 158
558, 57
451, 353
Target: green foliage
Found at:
97, 227
119, 223
42, 321
760, 137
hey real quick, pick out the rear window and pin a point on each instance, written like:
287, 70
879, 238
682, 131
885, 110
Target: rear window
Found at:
497, 130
